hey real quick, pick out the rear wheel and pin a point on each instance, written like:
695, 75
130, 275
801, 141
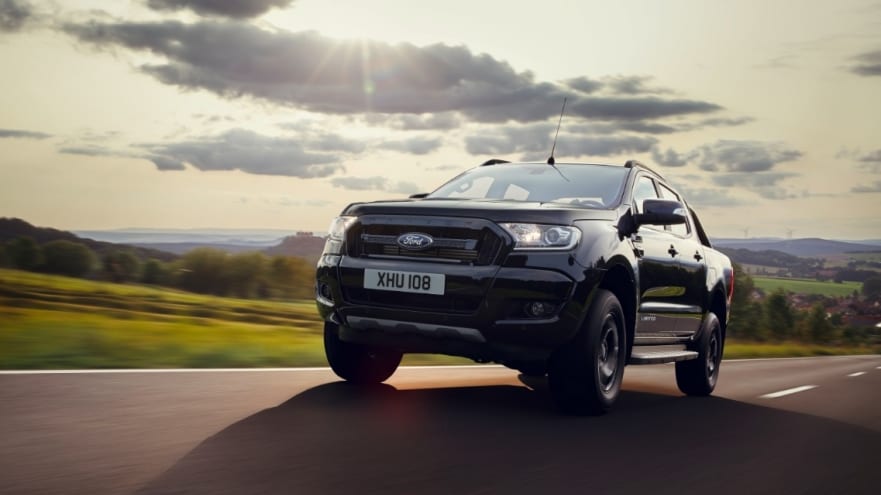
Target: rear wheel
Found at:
698, 376
585, 375
358, 363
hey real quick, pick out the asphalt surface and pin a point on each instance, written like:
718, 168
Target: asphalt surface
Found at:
774, 426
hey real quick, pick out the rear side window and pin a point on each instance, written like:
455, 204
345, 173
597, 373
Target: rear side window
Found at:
683, 228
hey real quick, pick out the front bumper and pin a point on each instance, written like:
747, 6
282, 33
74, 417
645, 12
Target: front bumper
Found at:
480, 316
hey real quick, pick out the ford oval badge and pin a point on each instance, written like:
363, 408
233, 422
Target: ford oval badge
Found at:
415, 241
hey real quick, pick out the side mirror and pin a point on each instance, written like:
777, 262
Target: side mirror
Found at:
660, 212
418, 196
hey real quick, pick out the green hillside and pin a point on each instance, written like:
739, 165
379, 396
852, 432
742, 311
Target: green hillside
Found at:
807, 286
53, 322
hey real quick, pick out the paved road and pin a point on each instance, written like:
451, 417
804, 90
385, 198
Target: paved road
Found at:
774, 426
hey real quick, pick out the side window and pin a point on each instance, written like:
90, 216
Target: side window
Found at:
643, 190
683, 228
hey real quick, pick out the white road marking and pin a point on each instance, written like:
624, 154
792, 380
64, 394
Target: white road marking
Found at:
788, 391
858, 373
220, 370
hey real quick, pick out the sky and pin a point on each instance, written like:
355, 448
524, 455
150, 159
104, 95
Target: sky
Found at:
765, 114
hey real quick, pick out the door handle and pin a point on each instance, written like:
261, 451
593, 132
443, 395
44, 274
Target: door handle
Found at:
673, 252
698, 256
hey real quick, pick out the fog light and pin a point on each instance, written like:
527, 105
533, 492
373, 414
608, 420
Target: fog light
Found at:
324, 291
538, 309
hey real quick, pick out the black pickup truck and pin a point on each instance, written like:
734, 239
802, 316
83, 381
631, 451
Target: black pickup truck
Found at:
568, 270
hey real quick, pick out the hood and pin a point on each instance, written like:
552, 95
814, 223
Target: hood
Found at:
494, 210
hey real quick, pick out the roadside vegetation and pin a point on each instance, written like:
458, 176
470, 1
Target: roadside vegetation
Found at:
64, 304
58, 322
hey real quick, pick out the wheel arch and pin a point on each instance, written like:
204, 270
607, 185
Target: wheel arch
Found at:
718, 306
620, 280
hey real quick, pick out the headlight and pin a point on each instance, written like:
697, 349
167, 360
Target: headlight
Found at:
336, 234
535, 236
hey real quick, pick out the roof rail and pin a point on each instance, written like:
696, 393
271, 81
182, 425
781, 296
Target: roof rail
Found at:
493, 161
637, 163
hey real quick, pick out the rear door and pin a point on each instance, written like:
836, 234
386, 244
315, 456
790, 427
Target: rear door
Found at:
690, 278
657, 265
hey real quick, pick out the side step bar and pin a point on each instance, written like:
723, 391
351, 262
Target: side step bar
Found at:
658, 355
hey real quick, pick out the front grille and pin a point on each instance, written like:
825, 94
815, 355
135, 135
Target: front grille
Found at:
425, 302
471, 244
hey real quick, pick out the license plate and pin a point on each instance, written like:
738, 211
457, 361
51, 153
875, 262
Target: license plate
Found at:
419, 283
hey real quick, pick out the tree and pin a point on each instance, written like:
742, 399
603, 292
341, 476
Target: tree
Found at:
120, 266
819, 327
872, 288
155, 273
291, 278
746, 314
203, 270
779, 317
68, 258
245, 274
24, 253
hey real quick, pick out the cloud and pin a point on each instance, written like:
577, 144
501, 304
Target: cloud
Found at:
236, 9
360, 183
765, 184
248, 152
744, 156
671, 158
874, 188
633, 85
584, 84
90, 150
872, 157
14, 14
869, 64
577, 146
648, 107
709, 197
534, 141
649, 127
870, 161
410, 122
626, 85
416, 146
751, 180
375, 183
310, 71
510, 139
19, 134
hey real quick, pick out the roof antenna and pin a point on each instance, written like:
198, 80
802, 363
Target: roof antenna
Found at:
551, 160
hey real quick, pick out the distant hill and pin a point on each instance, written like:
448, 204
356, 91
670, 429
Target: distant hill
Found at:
811, 247
303, 245
11, 228
181, 248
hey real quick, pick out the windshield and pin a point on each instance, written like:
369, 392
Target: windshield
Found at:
597, 186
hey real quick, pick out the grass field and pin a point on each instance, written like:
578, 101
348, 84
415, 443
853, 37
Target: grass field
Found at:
807, 286
50, 322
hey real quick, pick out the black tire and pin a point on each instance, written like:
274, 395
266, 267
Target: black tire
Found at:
698, 376
585, 375
358, 363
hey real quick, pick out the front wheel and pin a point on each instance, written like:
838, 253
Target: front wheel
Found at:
585, 375
358, 363
698, 376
